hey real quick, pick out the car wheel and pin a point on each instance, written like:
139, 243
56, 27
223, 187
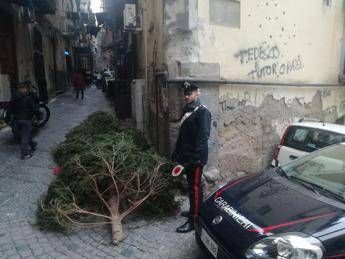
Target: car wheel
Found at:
44, 116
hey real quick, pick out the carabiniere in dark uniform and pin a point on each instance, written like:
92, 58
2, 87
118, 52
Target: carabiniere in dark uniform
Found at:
192, 149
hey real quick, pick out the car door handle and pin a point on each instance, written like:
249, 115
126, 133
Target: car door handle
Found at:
292, 157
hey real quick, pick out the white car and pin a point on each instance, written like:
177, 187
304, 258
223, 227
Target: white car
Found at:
304, 137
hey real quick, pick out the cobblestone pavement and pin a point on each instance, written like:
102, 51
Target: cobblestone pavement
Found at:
23, 182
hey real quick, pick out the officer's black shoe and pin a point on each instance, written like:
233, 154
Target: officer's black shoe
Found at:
185, 214
185, 228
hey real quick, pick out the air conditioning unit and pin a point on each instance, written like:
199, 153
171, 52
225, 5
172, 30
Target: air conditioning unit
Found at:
131, 19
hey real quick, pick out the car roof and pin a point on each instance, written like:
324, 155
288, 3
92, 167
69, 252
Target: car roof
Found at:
322, 125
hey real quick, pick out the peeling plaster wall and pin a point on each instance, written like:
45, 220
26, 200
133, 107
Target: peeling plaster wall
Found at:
272, 44
253, 119
278, 40
153, 27
181, 44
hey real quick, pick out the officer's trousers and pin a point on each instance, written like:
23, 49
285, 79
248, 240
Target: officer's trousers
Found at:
194, 174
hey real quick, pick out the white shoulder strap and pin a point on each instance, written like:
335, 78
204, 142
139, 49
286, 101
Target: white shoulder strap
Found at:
187, 114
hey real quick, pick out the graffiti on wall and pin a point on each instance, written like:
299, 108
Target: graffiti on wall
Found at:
232, 100
330, 113
261, 52
342, 106
276, 69
266, 61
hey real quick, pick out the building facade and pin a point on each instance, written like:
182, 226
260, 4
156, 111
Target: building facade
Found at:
260, 65
40, 37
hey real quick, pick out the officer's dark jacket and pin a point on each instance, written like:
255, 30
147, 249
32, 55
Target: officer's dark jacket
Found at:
191, 145
23, 107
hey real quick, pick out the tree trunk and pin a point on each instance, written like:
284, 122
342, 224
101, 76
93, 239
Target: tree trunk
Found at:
116, 229
116, 222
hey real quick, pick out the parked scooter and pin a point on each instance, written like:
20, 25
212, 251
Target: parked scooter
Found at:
43, 114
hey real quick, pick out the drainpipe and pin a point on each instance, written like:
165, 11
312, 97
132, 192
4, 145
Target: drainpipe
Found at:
145, 109
158, 74
144, 10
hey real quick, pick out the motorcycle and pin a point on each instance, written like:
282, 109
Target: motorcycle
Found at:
39, 119
42, 117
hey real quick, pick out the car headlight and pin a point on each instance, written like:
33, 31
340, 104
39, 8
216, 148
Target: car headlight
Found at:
286, 246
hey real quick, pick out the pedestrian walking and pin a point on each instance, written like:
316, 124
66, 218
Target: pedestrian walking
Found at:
23, 108
192, 149
78, 81
98, 80
87, 78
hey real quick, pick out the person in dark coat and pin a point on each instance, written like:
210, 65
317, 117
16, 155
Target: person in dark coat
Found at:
78, 81
192, 149
23, 108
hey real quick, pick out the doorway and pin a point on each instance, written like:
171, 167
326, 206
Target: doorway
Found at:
8, 58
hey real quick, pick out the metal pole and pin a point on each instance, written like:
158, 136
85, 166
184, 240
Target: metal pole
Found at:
225, 81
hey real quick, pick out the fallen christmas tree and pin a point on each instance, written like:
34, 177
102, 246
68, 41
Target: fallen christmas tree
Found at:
106, 174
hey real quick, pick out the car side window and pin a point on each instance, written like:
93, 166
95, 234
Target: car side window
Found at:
300, 135
302, 138
309, 139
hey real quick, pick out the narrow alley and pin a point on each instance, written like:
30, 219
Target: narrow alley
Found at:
204, 129
23, 182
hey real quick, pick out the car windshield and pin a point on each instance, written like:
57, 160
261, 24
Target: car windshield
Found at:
324, 169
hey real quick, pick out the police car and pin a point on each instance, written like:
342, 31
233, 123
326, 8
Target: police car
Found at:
296, 211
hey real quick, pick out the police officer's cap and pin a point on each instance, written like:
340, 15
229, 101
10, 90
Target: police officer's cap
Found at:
189, 87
